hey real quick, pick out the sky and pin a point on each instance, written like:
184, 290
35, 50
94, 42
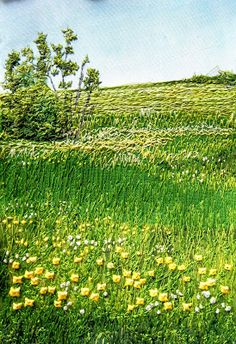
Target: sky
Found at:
130, 41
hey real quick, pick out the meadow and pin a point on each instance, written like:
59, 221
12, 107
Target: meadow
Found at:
127, 236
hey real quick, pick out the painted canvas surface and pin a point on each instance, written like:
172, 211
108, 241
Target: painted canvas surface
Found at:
117, 171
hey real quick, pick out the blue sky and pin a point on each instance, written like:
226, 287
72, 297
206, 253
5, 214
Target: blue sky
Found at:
130, 41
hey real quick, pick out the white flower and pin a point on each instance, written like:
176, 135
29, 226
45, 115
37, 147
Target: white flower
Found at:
75, 288
10, 261
70, 237
92, 242
17, 256
179, 293
27, 255
78, 237
213, 300
86, 242
105, 294
5, 261
23, 259
62, 285
67, 283
69, 303
78, 243
75, 248
65, 308
201, 306
158, 312
82, 311
198, 296
173, 296
64, 251
95, 243
228, 308
206, 294
7, 253
197, 309
149, 308
223, 305
156, 304
217, 311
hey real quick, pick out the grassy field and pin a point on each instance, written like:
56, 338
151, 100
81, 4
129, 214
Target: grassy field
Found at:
127, 236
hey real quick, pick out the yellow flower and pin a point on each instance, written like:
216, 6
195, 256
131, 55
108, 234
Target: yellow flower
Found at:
49, 275
137, 284
142, 281
74, 278
84, 291
56, 261
26, 243
57, 304
203, 286
182, 267
160, 260
118, 249
39, 270
153, 292
130, 308
224, 289
62, 295
163, 297
151, 273
187, 306
28, 302
211, 282
101, 286
35, 281
228, 267
172, 266
139, 301
31, 260
29, 274
100, 261
168, 306
17, 306
198, 257
186, 278
129, 282
110, 265
212, 272
136, 276
15, 265
78, 260
17, 279
202, 271
23, 222
51, 290
168, 260
127, 273
116, 278
124, 255
43, 291
14, 292
94, 297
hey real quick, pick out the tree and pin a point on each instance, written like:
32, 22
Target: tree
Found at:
51, 65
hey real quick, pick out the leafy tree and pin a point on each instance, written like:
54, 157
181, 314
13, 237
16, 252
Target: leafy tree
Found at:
52, 66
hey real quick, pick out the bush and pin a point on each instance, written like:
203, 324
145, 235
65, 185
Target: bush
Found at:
30, 113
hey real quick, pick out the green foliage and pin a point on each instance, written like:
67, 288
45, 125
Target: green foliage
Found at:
28, 76
30, 113
223, 77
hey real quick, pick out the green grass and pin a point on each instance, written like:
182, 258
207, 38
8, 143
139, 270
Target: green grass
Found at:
136, 189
